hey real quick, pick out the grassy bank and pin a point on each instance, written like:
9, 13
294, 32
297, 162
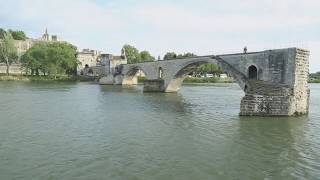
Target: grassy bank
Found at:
315, 81
199, 80
44, 78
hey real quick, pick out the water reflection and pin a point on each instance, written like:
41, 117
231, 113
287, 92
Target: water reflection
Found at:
173, 102
272, 147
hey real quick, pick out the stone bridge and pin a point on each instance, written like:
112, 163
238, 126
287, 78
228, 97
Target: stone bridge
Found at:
274, 81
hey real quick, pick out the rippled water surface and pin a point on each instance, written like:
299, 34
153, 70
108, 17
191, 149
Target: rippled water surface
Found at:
87, 131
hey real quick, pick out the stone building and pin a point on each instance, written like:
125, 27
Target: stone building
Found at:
87, 58
94, 63
110, 62
47, 37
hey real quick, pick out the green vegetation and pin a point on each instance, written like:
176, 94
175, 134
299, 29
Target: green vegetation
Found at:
146, 56
44, 78
17, 35
203, 69
314, 77
50, 59
141, 79
210, 68
134, 56
198, 80
173, 55
208, 80
8, 52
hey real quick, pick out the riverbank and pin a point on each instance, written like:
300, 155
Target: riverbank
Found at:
192, 80
315, 81
188, 80
44, 78
207, 80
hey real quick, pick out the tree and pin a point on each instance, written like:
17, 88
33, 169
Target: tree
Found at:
173, 55
170, 55
8, 52
205, 68
36, 59
210, 68
189, 55
18, 35
51, 59
315, 75
132, 54
146, 56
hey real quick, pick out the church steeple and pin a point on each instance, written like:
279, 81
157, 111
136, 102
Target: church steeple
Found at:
46, 36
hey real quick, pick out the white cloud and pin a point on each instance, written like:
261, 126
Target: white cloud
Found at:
203, 27
61, 13
245, 18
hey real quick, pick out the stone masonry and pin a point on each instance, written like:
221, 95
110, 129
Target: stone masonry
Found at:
274, 81
275, 98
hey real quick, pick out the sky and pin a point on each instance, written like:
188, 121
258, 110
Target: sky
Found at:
203, 27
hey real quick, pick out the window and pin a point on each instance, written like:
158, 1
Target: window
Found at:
253, 72
160, 73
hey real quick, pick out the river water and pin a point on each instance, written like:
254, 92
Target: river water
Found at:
87, 131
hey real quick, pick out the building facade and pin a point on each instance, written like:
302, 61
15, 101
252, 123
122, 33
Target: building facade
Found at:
111, 62
87, 58
95, 63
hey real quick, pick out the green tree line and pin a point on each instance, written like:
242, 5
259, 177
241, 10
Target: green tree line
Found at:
202, 69
17, 35
135, 56
50, 59
314, 75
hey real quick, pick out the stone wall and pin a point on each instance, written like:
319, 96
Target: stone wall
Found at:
156, 85
262, 98
272, 98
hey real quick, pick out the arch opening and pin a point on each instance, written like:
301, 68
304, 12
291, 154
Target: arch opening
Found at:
160, 73
136, 71
225, 71
209, 69
134, 76
253, 72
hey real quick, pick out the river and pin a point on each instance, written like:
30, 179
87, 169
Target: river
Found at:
86, 131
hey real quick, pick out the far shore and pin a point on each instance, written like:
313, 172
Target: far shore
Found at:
63, 78
29, 78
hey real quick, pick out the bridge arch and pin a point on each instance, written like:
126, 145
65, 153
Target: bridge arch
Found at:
175, 83
130, 77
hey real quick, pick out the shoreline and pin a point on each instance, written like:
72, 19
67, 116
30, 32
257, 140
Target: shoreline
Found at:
187, 81
24, 78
